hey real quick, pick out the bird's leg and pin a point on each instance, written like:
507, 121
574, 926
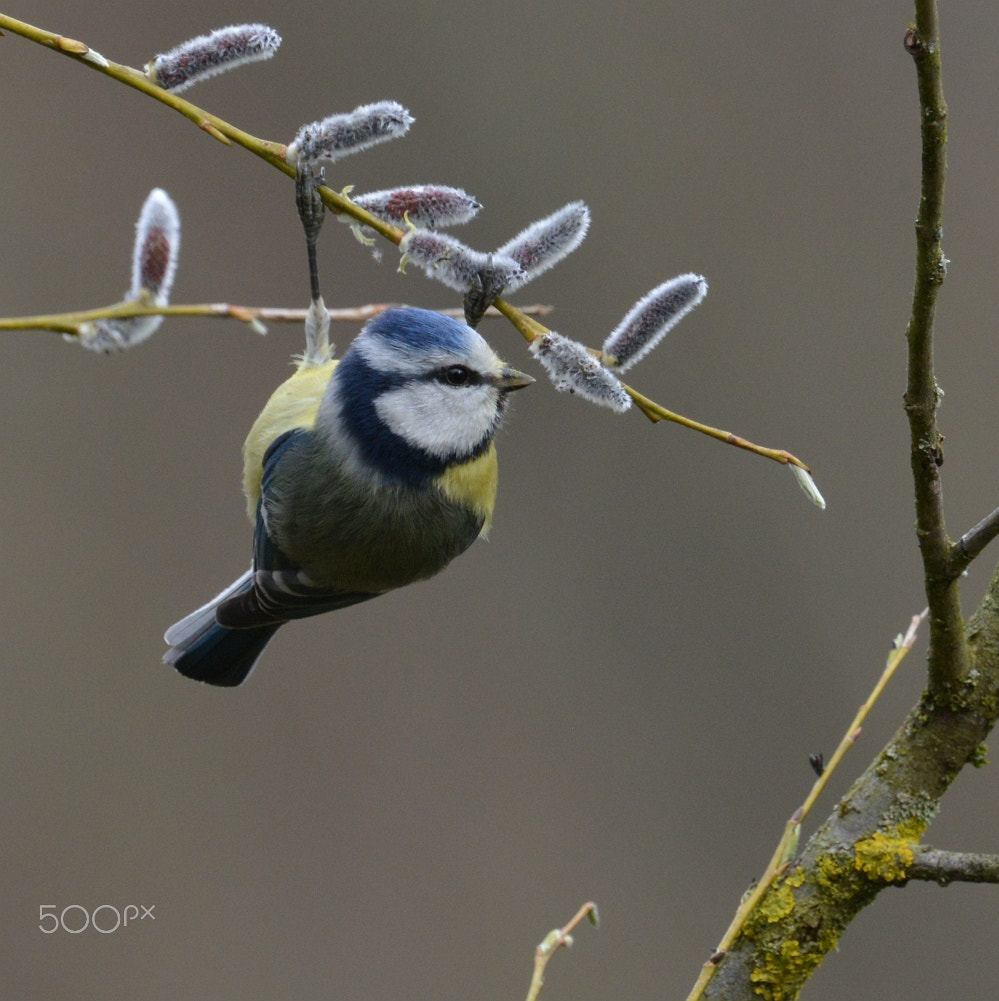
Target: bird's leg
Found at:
312, 212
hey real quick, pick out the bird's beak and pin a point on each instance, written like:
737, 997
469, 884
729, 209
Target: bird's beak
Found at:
510, 379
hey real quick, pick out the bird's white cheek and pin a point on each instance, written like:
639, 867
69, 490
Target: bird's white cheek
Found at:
440, 421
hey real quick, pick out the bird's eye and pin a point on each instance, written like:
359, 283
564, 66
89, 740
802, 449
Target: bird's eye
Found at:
456, 375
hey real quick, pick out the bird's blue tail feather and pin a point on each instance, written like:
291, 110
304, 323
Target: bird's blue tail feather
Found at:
202, 649
223, 656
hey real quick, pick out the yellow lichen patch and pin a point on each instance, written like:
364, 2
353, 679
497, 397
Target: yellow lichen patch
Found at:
910, 830
796, 878
781, 959
775, 978
836, 877
883, 858
777, 904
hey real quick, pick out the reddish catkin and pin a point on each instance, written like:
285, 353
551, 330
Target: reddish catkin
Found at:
208, 55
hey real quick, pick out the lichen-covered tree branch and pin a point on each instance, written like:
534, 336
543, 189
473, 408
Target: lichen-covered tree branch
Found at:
872, 838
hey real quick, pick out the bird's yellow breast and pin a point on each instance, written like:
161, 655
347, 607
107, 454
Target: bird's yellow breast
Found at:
294, 404
473, 485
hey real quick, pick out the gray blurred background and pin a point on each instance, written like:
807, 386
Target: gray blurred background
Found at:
616, 696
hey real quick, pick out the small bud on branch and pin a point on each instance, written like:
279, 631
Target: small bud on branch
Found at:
807, 484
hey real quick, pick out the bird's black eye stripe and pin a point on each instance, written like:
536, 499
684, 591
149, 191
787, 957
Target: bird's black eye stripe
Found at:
457, 376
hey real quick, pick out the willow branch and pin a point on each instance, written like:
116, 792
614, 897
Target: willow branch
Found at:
70, 323
276, 155
948, 654
272, 153
530, 329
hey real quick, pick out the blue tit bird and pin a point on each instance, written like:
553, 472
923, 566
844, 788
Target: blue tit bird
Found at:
361, 476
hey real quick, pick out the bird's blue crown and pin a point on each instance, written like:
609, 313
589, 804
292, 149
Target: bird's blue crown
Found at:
422, 329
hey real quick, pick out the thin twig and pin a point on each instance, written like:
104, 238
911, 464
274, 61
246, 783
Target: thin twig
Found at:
973, 542
554, 941
901, 647
941, 867
787, 846
70, 323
